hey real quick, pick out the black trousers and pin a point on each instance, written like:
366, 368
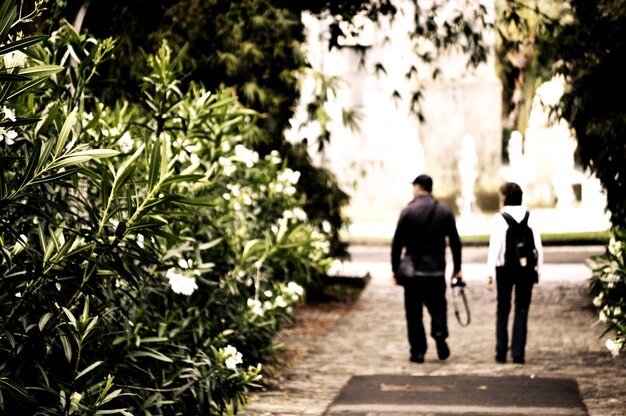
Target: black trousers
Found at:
429, 291
506, 282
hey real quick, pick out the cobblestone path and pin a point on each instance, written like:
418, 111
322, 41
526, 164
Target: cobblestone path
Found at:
564, 340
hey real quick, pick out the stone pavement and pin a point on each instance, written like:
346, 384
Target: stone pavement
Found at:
564, 339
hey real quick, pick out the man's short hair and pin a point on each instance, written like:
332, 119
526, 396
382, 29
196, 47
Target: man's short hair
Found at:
512, 193
425, 182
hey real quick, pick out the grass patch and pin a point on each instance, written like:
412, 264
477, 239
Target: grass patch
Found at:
578, 238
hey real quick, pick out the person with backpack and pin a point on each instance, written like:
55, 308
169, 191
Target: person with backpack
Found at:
515, 257
421, 233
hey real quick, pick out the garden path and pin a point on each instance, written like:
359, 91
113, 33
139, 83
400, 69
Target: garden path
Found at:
564, 338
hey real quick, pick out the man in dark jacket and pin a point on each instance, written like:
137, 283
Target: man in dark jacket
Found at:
421, 232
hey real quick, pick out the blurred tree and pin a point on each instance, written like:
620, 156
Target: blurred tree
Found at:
522, 27
255, 47
590, 52
584, 42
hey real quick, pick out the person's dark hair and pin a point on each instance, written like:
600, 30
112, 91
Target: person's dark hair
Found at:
512, 193
425, 182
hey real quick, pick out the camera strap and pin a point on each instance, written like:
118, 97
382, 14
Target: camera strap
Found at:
459, 291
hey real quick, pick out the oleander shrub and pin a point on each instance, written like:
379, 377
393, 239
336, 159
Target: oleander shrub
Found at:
608, 288
148, 255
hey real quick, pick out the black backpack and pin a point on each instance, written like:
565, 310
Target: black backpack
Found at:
520, 251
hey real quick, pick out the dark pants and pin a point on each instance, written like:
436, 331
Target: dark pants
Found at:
429, 291
506, 281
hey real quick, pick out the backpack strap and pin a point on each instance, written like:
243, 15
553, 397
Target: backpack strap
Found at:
511, 221
509, 218
525, 220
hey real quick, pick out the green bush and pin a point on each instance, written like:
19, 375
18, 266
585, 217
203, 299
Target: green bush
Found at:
148, 254
608, 287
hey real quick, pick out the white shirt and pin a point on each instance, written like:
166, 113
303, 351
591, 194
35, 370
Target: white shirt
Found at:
497, 240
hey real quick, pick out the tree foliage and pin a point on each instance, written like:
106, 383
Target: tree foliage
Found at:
590, 52
255, 47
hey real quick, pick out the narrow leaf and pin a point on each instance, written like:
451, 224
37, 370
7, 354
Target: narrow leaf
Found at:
88, 369
40, 70
22, 43
27, 86
70, 316
65, 133
8, 13
154, 164
44, 320
67, 347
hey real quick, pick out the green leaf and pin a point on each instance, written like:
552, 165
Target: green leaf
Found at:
40, 70
4, 77
70, 316
126, 170
65, 133
69, 161
88, 369
111, 396
67, 347
154, 164
27, 86
29, 174
149, 352
44, 320
19, 122
182, 178
8, 13
97, 153
22, 43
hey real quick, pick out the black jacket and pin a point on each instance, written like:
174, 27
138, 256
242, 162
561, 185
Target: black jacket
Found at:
411, 233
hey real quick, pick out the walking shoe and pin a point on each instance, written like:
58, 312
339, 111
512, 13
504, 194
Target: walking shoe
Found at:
417, 358
501, 357
518, 360
442, 348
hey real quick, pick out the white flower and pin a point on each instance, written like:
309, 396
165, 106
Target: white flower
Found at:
74, 401
289, 176
233, 357
245, 155
614, 346
294, 289
256, 307
268, 293
615, 246
140, 240
280, 302
299, 214
326, 226
335, 267
126, 143
180, 283
602, 316
597, 301
14, 59
8, 113
7, 136
267, 305
274, 157
290, 190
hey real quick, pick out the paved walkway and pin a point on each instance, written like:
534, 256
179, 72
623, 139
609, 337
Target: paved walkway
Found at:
563, 340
